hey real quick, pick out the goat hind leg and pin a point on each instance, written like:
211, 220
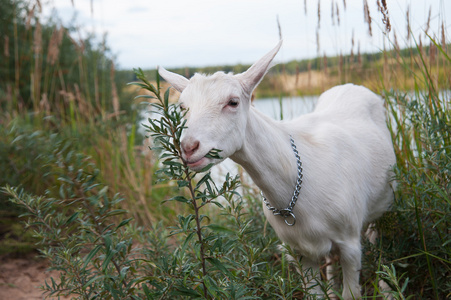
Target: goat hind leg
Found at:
331, 272
371, 234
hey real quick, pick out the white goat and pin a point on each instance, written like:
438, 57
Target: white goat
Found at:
344, 145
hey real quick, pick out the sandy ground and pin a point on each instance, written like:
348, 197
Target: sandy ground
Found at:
20, 278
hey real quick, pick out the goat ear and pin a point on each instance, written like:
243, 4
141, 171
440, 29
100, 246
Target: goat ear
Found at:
177, 81
252, 77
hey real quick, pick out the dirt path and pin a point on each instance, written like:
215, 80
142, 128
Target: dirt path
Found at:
20, 278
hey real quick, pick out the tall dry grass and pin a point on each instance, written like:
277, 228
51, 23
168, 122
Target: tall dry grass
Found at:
57, 83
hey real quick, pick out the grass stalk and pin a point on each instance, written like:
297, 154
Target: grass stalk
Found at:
16, 61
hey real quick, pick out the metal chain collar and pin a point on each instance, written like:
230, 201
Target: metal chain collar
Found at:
287, 213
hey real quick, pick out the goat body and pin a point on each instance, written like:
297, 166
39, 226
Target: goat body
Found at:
344, 145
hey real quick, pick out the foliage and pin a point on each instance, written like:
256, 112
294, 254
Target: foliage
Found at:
418, 230
22, 159
78, 233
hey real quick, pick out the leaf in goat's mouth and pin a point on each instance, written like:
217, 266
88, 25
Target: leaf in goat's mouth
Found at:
213, 153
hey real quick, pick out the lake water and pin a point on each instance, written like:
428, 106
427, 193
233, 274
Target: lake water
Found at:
292, 107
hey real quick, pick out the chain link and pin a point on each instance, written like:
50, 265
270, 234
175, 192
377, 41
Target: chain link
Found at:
287, 213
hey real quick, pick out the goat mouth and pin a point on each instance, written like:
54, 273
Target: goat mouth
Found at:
197, 163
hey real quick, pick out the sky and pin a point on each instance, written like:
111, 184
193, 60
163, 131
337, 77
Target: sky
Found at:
181, 33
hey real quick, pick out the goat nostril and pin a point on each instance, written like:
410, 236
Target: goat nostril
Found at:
196, 146
190, 148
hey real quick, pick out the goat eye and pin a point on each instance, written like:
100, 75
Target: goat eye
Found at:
233, 102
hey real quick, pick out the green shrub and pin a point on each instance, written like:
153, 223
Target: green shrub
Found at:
418, 240
23, 160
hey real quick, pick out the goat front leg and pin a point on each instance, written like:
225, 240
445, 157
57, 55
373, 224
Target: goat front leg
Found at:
350, 260
310, 272
311, 277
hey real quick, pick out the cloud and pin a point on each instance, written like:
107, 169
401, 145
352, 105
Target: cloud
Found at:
138, 9
204, 32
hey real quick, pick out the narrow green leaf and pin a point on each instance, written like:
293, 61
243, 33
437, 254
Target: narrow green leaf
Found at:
204, 179
91, 255
184, 291
208, 167
72, 218
108, 258
187, 241
215, 262
166, 98
115, 213
103, 190
123, 223
179, 199
92, 281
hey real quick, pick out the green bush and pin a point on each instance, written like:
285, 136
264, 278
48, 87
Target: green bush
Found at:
23, 160
418, 240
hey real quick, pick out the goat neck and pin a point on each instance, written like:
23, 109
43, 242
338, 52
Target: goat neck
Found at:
268, 157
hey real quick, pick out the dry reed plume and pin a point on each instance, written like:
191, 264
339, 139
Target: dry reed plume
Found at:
382, 7
54, 45
367, 16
